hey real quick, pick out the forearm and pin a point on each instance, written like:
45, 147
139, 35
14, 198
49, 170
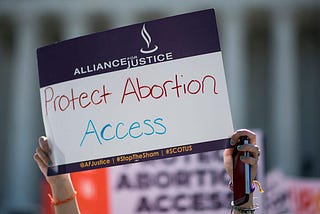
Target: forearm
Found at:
63, 195
63, 189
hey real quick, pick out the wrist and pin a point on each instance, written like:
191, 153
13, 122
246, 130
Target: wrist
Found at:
58, 181
61, 186
58, 201
63, 194
248, 204
247, 207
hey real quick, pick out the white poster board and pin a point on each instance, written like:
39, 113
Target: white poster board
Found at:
142, 92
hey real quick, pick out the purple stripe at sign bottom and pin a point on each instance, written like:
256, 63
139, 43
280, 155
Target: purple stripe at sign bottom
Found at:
140, 157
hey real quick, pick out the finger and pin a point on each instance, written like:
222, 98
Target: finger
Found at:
244, 132
249, 160
228, 151
256, 153
227, 161
254, 150
43, 142
39, 161
43, 156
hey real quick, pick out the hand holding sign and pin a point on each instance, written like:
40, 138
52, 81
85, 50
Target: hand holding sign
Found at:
252, 148
61, 185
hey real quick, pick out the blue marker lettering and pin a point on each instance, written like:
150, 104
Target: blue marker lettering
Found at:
160, 124
94, 131
103, 131
133, 126
117, 131
147, 122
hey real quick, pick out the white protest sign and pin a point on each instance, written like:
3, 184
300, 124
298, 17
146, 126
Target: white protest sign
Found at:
142, 92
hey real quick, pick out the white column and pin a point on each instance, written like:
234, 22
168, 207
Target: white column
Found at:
21, 188
233, 46
284, 91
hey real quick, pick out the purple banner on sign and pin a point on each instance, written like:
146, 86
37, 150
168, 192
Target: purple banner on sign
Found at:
140, 157
127, 47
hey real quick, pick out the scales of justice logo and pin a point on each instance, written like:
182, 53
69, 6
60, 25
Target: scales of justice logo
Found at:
147, 38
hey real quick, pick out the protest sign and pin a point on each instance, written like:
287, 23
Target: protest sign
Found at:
141, 92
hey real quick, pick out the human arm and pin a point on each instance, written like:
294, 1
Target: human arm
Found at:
61, 185
253, 149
